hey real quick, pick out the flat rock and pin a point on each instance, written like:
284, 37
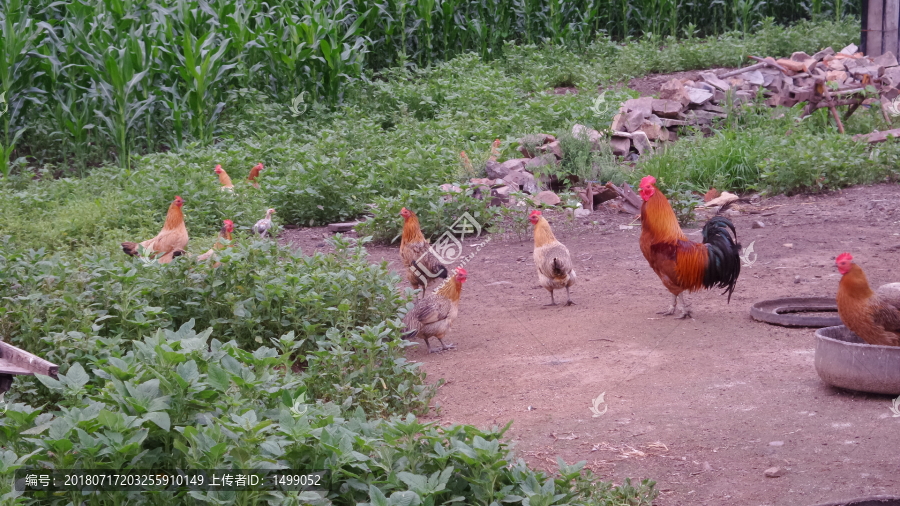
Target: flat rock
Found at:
583, 132
850, 50
669, 123
654, 131
892, 76
643, 104
714, 80
335, 228
667, 108
675, 90
523, 179
886, 60
620, 145
547, 197
836, 75
618, 122
871, 70
634, 119
641, 143
773, 472
500, 170
699, 96
799, 56
754, 77
582, 213
823, 53
554, 149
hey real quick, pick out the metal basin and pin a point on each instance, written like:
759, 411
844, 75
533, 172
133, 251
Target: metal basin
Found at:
878, 500
844, 360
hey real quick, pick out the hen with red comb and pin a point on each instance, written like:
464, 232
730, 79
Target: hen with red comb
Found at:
872, 315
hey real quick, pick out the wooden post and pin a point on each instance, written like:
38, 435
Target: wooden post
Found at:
15, 361
874, 28
891, 20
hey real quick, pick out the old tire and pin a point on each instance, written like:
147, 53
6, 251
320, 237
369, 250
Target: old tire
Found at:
788, 312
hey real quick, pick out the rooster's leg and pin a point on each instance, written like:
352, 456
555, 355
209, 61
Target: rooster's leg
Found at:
428, 345
671, 309
446, 346
568, 298
685, 307
552, 300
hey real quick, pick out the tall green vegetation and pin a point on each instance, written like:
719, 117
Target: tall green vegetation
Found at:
107, 79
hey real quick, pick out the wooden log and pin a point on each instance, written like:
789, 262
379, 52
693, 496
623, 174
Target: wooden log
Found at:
851, 110
745, 69
876, 137
769, 62
632, 203
875, 25
885, 107
335, 228
15, 361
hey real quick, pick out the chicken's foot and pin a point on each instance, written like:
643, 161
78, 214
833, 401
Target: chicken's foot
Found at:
671, 309
552, 300
569, 298
685, 307
449, 346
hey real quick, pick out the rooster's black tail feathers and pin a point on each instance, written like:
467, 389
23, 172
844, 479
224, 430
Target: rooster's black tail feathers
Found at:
724, 260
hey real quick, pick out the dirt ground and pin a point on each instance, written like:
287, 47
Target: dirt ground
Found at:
702, 406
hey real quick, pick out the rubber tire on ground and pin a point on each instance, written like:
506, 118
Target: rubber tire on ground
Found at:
788, 312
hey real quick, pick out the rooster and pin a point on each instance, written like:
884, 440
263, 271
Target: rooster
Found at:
420, 263
873, 316
681, 264
254, 173
551, 257
224, 233
433, 315
263, 226
224, 179
170, 242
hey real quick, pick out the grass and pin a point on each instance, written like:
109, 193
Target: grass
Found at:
771, 151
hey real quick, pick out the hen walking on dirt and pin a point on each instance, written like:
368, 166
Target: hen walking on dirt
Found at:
873, 316
552, 259
433, 315
420, 265
170, 242
683, 265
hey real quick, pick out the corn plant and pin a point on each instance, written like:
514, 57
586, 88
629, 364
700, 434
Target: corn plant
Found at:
203, 70
20, 35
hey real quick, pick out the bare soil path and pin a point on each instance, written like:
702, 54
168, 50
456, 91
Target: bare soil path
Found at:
702, 406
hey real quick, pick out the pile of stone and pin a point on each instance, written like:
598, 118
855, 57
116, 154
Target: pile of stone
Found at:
825, 79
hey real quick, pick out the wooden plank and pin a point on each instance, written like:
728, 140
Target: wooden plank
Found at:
22, 359
891, 20
7, 368
874, 137
875, 25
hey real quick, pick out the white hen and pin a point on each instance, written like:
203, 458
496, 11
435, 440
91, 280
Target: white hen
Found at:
264, 225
